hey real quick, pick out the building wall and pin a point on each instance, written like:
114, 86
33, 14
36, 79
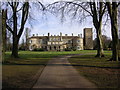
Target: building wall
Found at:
88, 38
60, 43
56, 43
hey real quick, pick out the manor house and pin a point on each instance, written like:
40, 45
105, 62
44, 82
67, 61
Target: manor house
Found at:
61, 43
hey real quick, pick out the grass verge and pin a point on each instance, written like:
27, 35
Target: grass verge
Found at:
105, 74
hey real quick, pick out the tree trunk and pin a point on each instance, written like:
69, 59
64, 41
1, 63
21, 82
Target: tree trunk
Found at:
113, 12
4, 13
114, 29
1, 37
100, 52
15, 37
15, 47
97, 21
98, 25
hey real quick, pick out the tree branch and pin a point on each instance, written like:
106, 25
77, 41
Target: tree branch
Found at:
10, 5
25, 11
9, 28
73, 4
81, 7
43, 7
118, 4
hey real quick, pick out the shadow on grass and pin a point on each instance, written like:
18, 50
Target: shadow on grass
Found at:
83, 66
68, 65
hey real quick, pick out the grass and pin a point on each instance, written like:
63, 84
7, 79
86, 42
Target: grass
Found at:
32, 57
19, 76
105, 74
23, 72
19, 73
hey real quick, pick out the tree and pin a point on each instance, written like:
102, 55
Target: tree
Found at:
17, 32
97, 15
113, 13
22, 45
106, 42
94, 9
0, 36
8, 41
4, 14
19, 13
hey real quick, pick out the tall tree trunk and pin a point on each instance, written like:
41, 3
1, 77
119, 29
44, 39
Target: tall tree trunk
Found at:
15, 37
114, 29
15, 47
4, 13
98, 27
97, 21
113, 12
1, 37
100, 52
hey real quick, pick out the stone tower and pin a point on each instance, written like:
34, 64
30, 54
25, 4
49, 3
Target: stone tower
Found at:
88, 38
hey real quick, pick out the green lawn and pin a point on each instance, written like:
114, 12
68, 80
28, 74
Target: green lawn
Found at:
23, 72
20, 73
32, 57
105, 74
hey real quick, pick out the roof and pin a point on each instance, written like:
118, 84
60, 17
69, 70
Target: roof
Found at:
63, 37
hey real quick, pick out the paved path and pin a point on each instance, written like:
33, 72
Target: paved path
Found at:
60, 74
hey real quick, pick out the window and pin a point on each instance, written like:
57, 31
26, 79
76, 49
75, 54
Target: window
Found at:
78, 41
50, 48
69, 41
43, 41
53, 42
49, 43
53, 39
40, 41
30, 41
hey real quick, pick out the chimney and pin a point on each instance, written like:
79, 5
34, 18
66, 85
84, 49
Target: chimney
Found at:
60, 34
48, 34
72, 34
80, 35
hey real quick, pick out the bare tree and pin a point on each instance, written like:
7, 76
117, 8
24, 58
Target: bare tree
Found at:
83, 10
113, 13
19, 13
17, 32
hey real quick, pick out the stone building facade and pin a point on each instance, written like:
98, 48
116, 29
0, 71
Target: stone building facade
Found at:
88, 43
57, 43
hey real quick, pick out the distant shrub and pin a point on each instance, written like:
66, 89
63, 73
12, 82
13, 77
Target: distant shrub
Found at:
38, 49
68, 49
74, 49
